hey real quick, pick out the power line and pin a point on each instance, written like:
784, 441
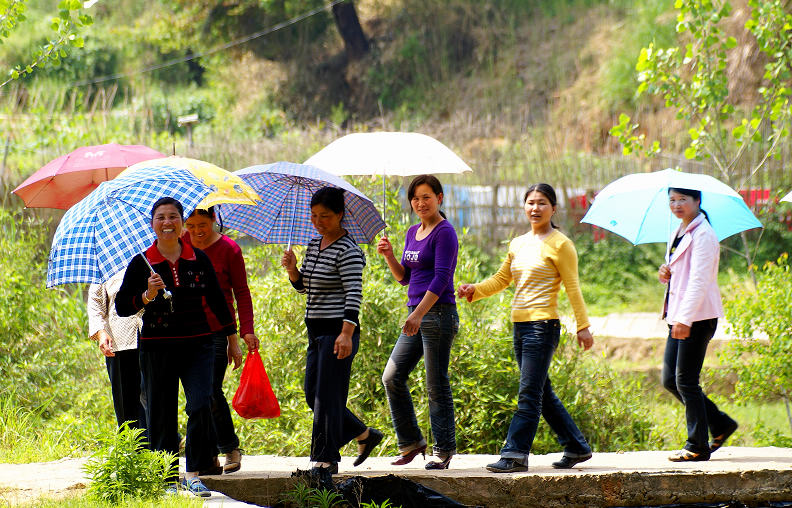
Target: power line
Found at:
237, 42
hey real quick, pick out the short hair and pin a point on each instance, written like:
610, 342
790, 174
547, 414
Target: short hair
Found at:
167, 201
331, 198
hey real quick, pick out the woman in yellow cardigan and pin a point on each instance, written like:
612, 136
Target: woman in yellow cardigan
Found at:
537, 263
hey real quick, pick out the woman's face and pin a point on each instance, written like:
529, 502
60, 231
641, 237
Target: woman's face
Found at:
539, 210
683, 206
326, 221
167, 223
425, 203
201, 228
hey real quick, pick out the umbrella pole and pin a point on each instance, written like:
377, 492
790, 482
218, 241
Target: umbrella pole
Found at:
294, 218
384, 233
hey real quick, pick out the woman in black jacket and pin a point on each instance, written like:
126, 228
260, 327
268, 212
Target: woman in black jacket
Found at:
170, 281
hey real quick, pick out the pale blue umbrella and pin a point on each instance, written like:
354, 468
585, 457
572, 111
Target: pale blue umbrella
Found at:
636, 206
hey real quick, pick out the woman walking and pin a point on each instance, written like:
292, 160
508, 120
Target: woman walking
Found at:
692, 308
332, 277
427, 268
538, 262
169, 282
227, 260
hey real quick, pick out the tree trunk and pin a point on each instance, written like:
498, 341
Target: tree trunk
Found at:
348, 24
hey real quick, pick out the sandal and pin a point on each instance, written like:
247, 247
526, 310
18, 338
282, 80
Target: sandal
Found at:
688, 456
718, 441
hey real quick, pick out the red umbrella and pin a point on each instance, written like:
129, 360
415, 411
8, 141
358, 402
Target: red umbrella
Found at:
69, 178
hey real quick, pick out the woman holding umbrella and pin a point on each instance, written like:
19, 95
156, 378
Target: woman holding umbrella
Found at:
427, 267
692, 308
332, 277
226, 257
169, 282
538, 262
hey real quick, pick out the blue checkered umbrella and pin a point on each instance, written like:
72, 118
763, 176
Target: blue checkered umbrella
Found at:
284, 212
99, 235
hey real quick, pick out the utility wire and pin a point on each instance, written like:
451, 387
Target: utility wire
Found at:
237, 42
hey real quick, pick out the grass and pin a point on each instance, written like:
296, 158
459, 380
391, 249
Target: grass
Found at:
84, 501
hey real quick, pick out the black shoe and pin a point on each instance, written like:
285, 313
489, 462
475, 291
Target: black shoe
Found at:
441, 464
569, 462
322, 477
369, 443
718, 441
507, 466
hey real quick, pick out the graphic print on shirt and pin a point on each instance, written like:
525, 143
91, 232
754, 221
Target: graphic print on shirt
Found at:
411, 256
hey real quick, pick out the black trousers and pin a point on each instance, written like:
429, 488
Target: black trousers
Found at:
227, 440
123, 369
326, 391
163, 365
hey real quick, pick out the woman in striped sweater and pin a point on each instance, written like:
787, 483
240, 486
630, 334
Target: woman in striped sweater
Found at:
538, 262
332, 277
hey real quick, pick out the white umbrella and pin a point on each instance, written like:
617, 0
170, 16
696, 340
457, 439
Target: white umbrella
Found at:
787, 198
387, 154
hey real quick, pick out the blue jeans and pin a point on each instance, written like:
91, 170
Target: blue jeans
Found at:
534, 345
681, 369
432, 342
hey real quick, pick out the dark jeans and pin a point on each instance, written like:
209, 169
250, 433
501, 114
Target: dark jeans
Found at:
432, 342
227, 440
123, 369
534, 345
681, 369
326, 391
189, 360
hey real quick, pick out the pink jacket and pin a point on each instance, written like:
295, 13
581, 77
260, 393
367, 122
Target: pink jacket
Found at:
693, 288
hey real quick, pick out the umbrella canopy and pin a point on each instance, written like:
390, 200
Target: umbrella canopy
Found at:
66, 180
99, 235
787, 198
226, 187
636, 206
387, 153
284, 213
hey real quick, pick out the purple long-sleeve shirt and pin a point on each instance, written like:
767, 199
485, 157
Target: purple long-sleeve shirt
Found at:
429, 264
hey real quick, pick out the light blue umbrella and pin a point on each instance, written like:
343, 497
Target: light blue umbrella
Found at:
284, 213
636, 206
98, 236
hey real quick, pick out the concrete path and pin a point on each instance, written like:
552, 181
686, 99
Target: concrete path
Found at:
23, 482
636, 325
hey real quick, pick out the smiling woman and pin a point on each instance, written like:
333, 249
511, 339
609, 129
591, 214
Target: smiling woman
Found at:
176, 339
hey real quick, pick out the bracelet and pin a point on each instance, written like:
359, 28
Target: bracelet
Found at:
350, 322
145, 298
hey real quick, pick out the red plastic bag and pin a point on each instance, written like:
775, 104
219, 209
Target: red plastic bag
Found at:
254, 397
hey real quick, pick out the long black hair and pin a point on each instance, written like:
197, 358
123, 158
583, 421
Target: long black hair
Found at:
331, 198
693, 193
433, 184
549, 193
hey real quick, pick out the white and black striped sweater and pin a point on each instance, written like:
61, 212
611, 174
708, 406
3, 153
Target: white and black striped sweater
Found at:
333, 279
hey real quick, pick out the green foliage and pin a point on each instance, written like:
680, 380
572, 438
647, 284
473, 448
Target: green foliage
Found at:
762, 365
124, 467
304, 496
85, 501
66, 26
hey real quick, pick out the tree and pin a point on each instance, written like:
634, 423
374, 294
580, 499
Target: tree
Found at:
348, 25
692, 80
66, 27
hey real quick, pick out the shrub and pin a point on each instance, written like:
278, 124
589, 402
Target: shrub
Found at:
123, 467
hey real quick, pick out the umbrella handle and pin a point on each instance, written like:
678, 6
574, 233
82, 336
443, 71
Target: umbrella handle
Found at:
165, 293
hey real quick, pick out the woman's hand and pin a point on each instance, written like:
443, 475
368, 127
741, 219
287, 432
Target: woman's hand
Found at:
413, 323
105, 343
155, 283
466, 291
251, 341
664, 274
289, 260
680, 331
384, 247
233, 351
343, 346
585, 339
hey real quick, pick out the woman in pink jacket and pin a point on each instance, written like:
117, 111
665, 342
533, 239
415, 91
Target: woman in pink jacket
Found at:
692, 308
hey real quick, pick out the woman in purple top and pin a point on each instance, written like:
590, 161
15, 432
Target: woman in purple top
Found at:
427, 268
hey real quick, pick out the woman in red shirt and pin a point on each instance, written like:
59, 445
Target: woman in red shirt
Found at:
226, 257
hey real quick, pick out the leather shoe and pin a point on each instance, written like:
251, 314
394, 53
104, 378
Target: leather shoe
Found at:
567, 462
369, 443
